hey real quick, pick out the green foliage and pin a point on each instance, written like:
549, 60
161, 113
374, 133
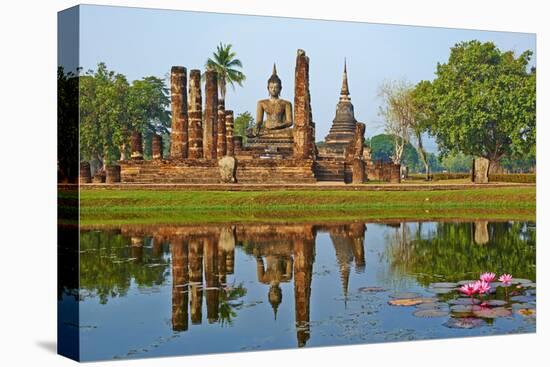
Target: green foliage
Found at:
452, 253
242, 122
514, 177
225, 64
457, 162
111, 108
106, 268
383, 147
67, 125
482, 102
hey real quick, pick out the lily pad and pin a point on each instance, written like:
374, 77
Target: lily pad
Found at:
527, 312
464, 309
405, 302
441, 290
405, 295
433, 305
371, 289
518, 306
496, 303
493, 313
443, 285
464, 323
464, 301
523, 298
431, 313
520, 281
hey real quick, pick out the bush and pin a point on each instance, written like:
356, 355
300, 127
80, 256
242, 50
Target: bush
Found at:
514, 177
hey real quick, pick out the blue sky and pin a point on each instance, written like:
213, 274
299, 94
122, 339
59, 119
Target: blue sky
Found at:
140, 42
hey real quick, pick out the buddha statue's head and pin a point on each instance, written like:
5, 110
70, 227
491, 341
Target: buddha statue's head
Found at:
274, 84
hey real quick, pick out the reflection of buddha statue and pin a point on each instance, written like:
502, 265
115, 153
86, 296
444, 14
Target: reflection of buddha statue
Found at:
278, 269
278, 113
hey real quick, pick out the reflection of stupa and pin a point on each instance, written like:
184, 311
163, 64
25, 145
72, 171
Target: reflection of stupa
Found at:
343, 126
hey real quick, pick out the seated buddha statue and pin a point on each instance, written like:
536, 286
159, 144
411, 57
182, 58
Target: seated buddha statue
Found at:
278, 113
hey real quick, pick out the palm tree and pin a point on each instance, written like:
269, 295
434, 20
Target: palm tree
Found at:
225, 64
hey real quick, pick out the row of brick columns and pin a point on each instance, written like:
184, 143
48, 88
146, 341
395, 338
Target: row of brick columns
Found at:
193, 135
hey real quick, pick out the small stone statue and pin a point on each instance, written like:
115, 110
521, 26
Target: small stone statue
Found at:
278, 112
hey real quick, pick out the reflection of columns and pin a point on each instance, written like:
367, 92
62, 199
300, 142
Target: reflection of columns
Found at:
211, 278
229, 126
137, 249
180, 280
221, 148
210, 114
357, 232
156, 252
195, 115
178, 136
226, 247
304, 256
481, 232
195, 278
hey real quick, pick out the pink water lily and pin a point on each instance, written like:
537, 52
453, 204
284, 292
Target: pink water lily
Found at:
506, 279
482, 286
469, 289
487, 277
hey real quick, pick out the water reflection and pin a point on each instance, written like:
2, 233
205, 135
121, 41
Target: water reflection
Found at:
199, 264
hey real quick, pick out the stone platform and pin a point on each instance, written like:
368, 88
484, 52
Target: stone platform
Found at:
205, 171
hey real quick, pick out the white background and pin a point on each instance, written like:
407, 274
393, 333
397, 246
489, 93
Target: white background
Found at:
28, 52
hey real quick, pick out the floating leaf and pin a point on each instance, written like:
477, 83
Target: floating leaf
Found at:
405, 295
520, 281
463, 310
517, 306
493, 313
433, 305
523, 298
496, 303
431, 313
371, 289
464, 301
405, 302
527, 312
441, 290
443, 285
464, 323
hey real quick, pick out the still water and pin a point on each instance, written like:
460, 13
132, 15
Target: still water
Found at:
148, 291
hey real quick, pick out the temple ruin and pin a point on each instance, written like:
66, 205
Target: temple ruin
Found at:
279, 149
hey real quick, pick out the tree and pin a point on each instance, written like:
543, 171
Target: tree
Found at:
225, 64
111, 108
382, 149
457, 162
243, 121
482, 102
67, 125
398, 111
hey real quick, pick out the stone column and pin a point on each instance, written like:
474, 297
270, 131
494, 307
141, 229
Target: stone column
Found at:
303, 125
156, 143
195, 115
85, 172
210, 114
137, 146
480, 170
221, 148
178, 137
229, 126
238, 144
357, 171
112, 173
180, 280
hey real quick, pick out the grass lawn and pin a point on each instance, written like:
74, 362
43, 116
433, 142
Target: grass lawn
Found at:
115, 207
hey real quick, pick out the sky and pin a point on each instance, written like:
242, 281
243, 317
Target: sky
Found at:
141, 42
